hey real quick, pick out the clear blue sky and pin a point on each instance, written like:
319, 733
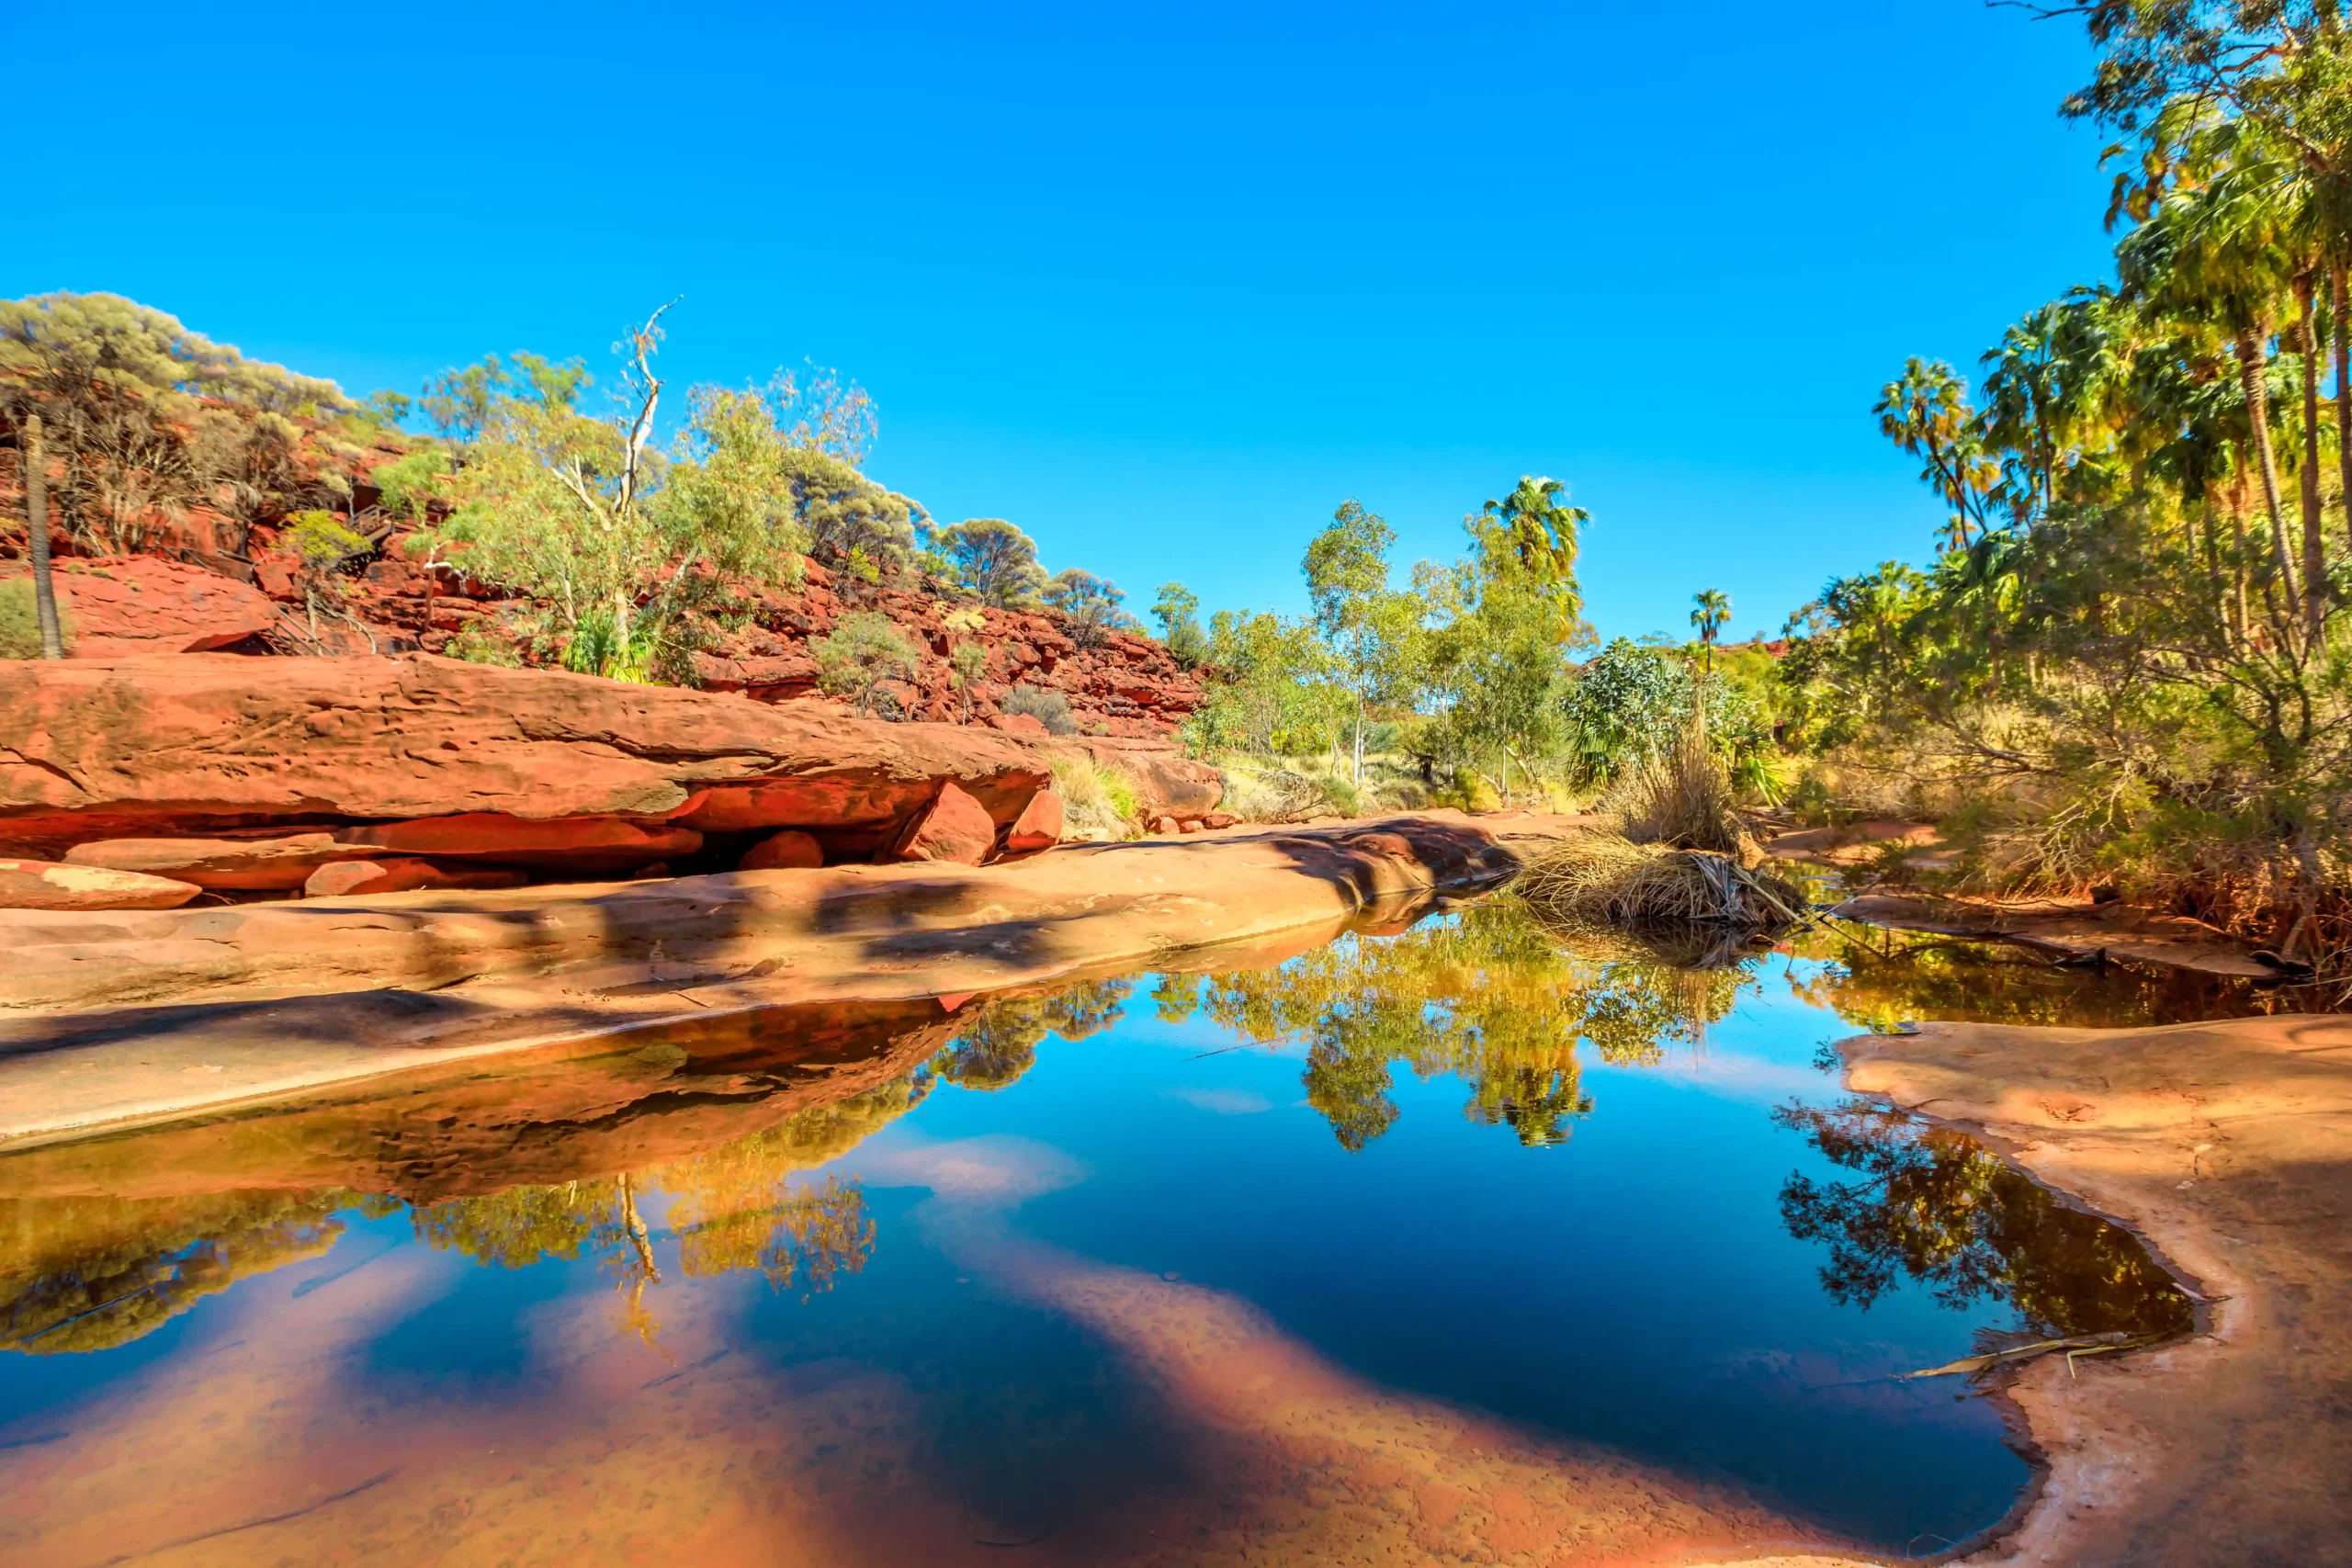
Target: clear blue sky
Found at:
1163, 284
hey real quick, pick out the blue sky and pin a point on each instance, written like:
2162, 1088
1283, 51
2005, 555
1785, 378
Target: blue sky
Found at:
1161, 284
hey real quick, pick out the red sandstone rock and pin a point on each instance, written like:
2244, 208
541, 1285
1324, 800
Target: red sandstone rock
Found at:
1217, 820
352, 877
248, 864
487, 835
52, 885
123, 605
788, 851
1040, 826
1164, 825
1170, 782
955, 828
1019, 724
1187, 825
191, 744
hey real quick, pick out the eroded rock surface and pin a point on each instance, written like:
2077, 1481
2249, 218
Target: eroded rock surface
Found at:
172, 746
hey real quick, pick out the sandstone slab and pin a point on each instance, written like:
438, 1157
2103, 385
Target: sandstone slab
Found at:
249, 863
191, 744
575, 841
51, 884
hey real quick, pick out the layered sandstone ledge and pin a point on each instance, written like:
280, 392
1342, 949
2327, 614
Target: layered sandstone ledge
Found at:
142, 1015
2228, 1147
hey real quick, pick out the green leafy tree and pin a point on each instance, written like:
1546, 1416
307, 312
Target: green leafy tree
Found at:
1369, 633
995, 560
1178, 610
1091, 603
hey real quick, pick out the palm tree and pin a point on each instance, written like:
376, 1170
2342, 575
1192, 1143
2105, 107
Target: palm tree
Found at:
1713, 613
2223, 254
1926, 412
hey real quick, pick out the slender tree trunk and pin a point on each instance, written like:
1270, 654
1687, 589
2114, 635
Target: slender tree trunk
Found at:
2337, 306
1358, 777
2258, 408
35, 465
2314, 544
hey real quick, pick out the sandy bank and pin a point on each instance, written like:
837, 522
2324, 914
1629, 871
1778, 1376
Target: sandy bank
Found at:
263, 1000
2228, 1147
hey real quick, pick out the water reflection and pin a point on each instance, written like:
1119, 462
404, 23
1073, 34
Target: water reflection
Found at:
1113, 1312
1936, 1207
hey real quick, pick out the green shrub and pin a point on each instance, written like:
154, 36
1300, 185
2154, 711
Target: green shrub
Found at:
1095, 795
863, 650
20, 621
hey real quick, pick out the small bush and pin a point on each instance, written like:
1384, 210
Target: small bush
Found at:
1048, 707
20, 620
863, 650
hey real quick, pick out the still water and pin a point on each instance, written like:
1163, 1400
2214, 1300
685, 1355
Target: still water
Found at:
1467, 1242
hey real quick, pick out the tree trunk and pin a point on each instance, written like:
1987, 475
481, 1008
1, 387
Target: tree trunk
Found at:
2258, 408
35, 465
2337, 306
2314, 544
1359, 775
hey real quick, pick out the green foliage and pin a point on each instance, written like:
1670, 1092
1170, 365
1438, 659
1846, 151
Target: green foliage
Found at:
863, 650
1178, 610
1368, 634
1095, 795
410, 485
620, 540
997, 1047
71, 341
993, 559
20, 619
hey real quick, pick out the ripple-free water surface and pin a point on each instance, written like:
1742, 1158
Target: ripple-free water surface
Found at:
1458, 1243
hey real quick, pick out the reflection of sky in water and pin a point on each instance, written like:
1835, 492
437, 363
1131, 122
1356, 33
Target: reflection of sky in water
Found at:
1115, 1278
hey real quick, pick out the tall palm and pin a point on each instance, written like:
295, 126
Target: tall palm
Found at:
1926, 412
1712, 614
2224, 255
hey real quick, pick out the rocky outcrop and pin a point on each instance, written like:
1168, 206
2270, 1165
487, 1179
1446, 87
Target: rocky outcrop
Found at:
123, 605
247, 776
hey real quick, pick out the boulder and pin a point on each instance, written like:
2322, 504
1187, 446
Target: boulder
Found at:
1040, 826
192, 744
52, 885
391, 874
1217, 820
1019, 724
791, 850
1168, 781
953, 827
124, 605
1165, 824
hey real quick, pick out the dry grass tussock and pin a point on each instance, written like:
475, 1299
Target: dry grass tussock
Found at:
1094, 794
1680, 797
1602, 879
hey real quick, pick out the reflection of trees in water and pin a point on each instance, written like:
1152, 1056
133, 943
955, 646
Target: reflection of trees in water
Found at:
1935, 1206
1488, 996
733, 1208
1001, 1044
92, 1274
89, 1273
1875, 979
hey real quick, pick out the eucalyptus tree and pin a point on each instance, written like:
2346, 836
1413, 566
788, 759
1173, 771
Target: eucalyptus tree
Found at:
1370, 634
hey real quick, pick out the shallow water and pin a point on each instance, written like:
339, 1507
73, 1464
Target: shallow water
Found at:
1459, 1244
